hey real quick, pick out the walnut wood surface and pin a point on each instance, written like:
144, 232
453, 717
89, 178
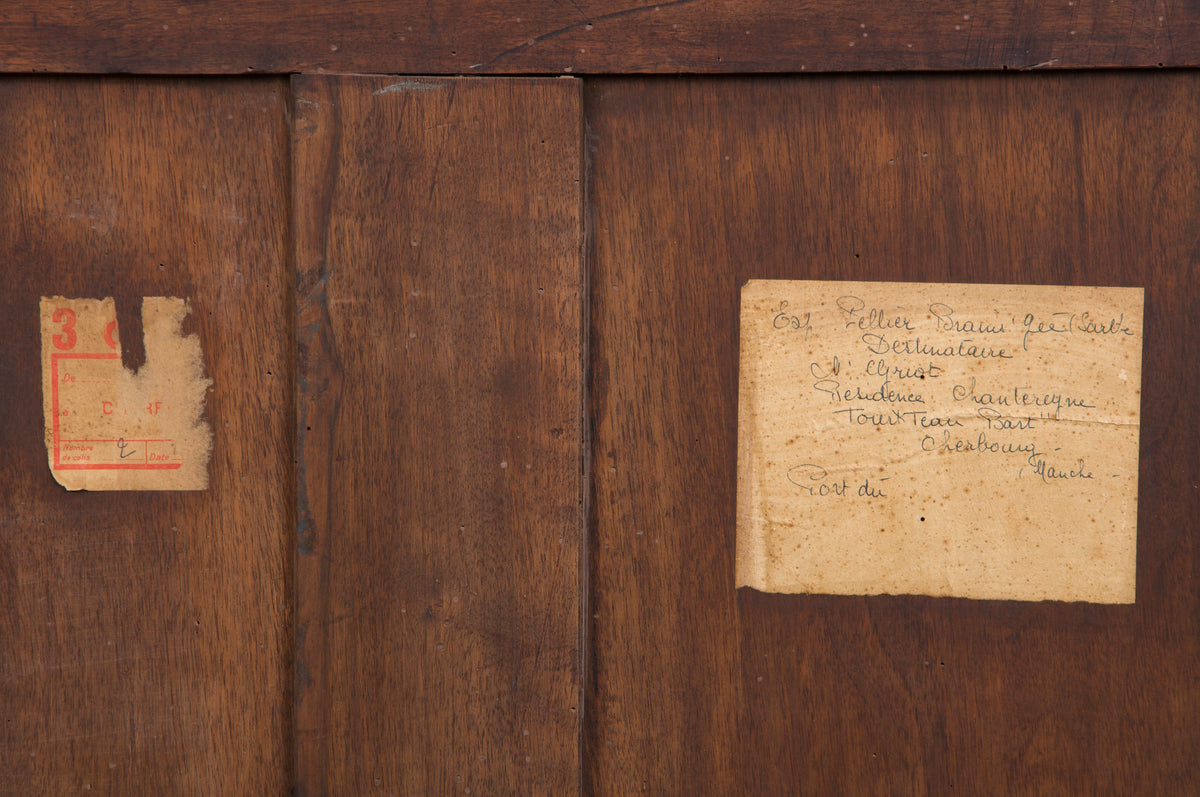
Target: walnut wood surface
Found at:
440, 442
145, 642
440, 295
590, 36
695, 688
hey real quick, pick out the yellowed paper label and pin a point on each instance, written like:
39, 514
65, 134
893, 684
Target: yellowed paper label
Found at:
978, 441
107, 428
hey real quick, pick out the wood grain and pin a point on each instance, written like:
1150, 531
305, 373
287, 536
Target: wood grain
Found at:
440, 418
594, 37
693, 687
145, 642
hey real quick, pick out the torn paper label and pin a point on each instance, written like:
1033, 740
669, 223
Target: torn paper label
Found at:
108, 428
977, 441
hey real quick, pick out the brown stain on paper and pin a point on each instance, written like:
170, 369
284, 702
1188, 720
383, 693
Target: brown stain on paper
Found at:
976, 441
107, 428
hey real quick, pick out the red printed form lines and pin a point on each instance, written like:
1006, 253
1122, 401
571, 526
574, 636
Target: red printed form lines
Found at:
112, 453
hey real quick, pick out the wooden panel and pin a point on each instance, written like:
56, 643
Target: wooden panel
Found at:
596, 36
146, 639
694, 687
438, 242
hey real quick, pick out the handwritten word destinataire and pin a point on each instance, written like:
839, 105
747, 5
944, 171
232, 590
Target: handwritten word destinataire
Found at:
967, 347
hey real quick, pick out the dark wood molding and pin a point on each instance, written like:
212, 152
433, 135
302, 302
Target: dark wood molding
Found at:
600, 37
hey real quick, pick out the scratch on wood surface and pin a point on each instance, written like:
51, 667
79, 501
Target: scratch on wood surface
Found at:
407, 85
588, 24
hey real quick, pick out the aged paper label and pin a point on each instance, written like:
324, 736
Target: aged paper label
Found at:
107, 428
978, 441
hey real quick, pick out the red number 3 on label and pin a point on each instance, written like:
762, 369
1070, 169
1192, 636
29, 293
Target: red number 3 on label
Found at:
66, 317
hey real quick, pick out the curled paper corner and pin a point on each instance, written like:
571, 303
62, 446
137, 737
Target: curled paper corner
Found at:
107, 428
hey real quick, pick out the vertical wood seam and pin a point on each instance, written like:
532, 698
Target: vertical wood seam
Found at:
585, 425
